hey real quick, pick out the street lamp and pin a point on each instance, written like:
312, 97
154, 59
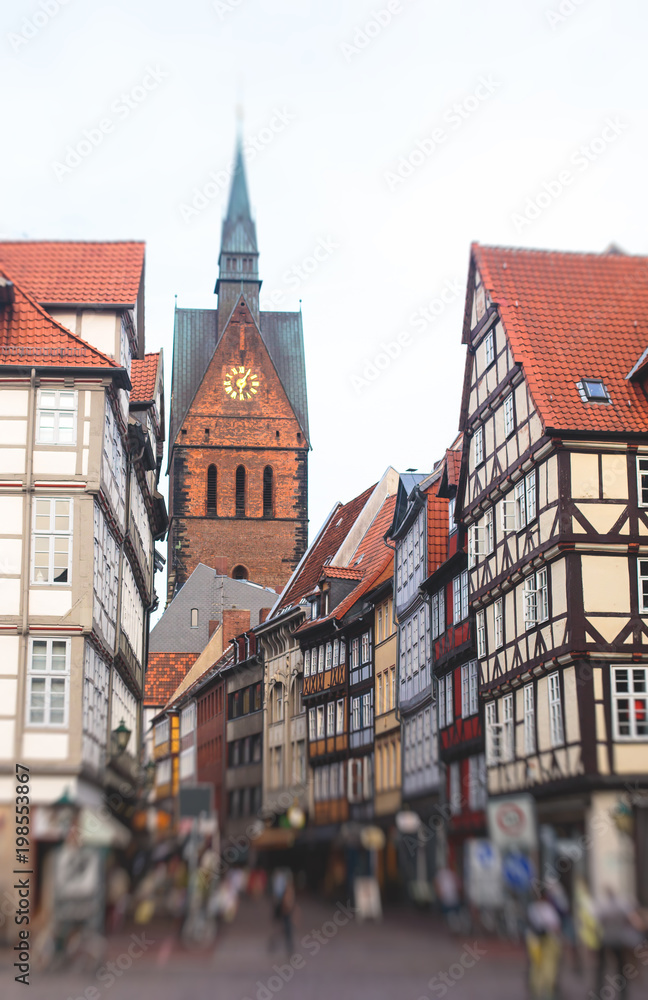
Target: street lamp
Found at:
120, 737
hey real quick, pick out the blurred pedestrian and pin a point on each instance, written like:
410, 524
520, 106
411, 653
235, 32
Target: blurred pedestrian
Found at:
288, 906
621, 930
544, 947
448, 889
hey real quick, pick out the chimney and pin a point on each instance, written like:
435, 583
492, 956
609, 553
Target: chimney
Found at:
220, 565
263, 614
6, 291
234, 622
213, 625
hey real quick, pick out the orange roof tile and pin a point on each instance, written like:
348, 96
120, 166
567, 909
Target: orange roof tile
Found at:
76, 272
372, 557
323, 548
163, 675
453, 465
437, 525
342, 573
568, 316
29, 336
143, 375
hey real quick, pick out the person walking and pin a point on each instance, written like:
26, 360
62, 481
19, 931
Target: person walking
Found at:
288, 906
620, 929
544, 948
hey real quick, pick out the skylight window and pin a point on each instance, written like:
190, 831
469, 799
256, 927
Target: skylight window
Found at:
593, 390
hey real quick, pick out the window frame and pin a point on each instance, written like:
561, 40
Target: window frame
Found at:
480, 633
478, 443
530, 741
48, 674
640, 488
52, 534
631, 696
498, 622
57, 410
642, 592
489, 348
508, 408
556, 715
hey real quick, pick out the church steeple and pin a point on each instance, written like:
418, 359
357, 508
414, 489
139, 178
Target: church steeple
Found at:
238, 263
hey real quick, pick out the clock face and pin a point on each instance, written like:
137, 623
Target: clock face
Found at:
241, 383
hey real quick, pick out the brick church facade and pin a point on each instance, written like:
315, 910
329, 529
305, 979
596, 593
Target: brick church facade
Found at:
239, 439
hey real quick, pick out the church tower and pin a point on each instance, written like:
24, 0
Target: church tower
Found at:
238, 440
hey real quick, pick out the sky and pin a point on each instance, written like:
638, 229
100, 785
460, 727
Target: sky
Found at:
386, 135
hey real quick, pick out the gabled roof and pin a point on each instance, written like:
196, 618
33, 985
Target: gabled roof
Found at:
371, 558
324, 547
76, 272
143, 377
29, 336
195, 340
163, 674
570, 316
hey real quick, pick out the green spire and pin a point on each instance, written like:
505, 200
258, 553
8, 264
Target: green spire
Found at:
239, 231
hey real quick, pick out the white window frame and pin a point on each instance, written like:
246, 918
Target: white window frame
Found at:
56, 409
339, 722
509, 415
477, 792
452, 527
449, 699
508, 728
531, 496
52, 533
441, 703
480, 631
536, 598
194, 617
498, 621
355, 653
642, 585
307, 662
456, 600
355, 714
312, 725
330, 719
529, 720
489, 531
329, 656
476, 549
556, 722
365, 652
478, 442
489, 348
637, 691
46, 674
320, 660
642, 481
455, 788
321, 731
336, 652
367, 710
493, 734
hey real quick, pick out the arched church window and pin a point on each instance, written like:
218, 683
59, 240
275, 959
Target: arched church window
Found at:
241, 490
268, 492
212, 489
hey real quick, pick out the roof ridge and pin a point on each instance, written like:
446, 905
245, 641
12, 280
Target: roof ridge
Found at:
596, 254
138, 243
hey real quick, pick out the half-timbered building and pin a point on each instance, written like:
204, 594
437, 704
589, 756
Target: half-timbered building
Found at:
553, 494
456, 675
418, 533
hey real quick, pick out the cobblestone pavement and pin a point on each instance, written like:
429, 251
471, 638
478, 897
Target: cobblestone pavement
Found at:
334, 956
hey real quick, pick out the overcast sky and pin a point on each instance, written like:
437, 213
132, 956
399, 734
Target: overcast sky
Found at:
511, 101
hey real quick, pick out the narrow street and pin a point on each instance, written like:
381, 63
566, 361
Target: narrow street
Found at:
396, 958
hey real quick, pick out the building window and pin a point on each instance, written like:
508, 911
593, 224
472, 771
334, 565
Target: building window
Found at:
52, 541
489, 347
241, 491
529, 721
643, 586
449, 709
314, 610
477, 794
339, 725
355, 653
438, 613
555, 711
642, 481
593, 390
469, 687
312, 733
212, 490
342, 652
451, 514
239, 573
56, 417
330, 719
493, 734
507, 728
441, 702
630, 702
530, 491
536, 598
320, 660
366, 648
307, 663
509, 418
481, 634
460, 597
278, 703
355, 714
329, 655
489, 531
320, 722
268, 492
47, 687
298, 696
499, 623
194, 618
367, 714
478, 440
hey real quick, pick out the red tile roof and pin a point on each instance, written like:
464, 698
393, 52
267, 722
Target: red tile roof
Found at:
372, 557
437, 525
453, 465
342, 573
323, 548
568, 316
29, 336
143, 375
71, 272
163, 675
